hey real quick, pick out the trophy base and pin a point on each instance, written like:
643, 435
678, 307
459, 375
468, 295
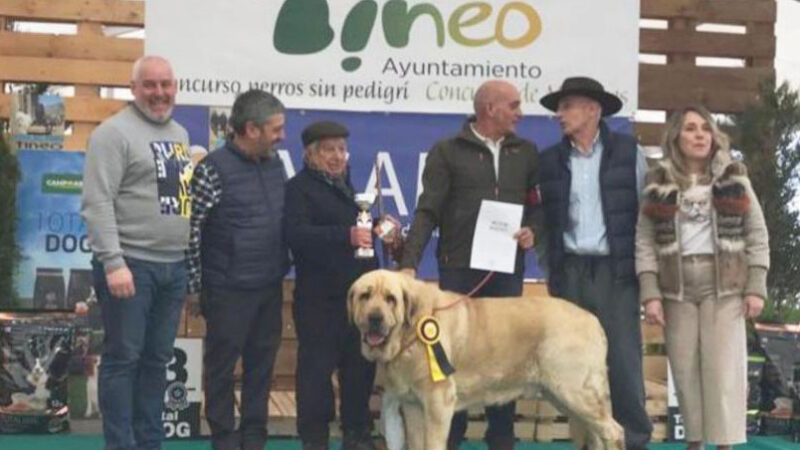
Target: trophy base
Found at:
365, 253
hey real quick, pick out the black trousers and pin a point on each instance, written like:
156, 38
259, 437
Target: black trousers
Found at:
590, 282
247, 324
500, 418
328, 342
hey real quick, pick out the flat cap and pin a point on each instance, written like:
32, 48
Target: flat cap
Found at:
322, 130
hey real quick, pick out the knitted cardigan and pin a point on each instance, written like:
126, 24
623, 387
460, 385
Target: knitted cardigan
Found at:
741, 249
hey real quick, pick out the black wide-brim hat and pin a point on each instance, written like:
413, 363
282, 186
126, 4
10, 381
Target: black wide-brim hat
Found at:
586, 87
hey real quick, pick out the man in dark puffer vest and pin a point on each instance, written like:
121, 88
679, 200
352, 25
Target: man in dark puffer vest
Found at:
590, 184
237, 260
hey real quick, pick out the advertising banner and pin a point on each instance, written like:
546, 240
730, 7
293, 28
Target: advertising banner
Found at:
395, 55
184, 393
54, 272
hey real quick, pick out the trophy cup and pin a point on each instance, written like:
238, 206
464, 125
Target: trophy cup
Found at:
364, 220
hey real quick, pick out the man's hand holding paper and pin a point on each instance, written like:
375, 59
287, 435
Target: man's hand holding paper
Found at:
497, 234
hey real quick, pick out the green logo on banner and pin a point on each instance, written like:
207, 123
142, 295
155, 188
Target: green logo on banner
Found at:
62, 183
303, 27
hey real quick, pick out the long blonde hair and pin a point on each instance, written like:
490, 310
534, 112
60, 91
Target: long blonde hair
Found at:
670, 144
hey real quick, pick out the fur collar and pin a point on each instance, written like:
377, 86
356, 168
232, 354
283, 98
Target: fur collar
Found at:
729, 189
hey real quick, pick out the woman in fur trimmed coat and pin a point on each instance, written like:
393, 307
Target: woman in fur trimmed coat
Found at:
702, 257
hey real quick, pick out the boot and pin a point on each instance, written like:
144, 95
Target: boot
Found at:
357, 440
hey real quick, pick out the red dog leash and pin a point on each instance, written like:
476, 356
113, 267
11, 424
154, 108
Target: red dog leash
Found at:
477, 288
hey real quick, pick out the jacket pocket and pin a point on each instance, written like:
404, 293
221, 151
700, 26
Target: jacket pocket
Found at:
669, 278
732, 271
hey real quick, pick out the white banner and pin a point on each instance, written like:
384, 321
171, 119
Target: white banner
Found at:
395, 55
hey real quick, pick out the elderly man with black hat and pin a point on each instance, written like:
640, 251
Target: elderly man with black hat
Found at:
320, 222
237, 260
590, 185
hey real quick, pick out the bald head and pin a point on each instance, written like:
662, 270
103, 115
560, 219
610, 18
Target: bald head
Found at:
145, 62
491, 92
497, 108
153, 87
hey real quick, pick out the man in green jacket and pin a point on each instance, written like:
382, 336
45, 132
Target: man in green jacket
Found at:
485, 161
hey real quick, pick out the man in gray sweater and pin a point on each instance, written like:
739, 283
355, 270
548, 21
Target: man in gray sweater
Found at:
136, 207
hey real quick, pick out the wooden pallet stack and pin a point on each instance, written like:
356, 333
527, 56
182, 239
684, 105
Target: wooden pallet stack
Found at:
677, 72
87, 60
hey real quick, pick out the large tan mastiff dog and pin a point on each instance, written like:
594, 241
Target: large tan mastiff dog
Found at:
501, 348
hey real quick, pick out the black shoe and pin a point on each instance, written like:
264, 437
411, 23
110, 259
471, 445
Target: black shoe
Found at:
315, 446
357, 440
501, 443
253, 445
226, 441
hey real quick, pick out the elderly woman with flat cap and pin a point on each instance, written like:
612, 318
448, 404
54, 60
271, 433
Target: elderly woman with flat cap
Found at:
320, 224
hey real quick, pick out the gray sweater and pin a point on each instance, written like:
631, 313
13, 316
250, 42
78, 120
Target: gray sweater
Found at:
136, 190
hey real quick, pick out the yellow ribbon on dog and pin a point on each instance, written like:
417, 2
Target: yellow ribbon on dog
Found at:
428, 331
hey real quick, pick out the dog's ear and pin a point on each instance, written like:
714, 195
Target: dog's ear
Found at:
410, 301
350, 305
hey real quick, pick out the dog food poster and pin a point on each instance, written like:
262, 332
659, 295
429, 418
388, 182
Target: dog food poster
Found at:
54, 271
184, 392
34, 363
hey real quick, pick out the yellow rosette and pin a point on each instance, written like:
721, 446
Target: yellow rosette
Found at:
428, 331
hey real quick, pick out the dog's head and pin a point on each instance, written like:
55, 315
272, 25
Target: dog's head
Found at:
384, 306
37, 375
22, 121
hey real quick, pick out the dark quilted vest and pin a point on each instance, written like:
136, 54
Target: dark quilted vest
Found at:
618, 193
242, 239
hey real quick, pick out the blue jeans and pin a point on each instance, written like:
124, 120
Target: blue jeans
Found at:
138, 344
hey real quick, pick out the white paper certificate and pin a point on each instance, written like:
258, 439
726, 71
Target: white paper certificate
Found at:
493, 245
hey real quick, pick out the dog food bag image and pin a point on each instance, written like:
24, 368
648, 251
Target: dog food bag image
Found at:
34, 360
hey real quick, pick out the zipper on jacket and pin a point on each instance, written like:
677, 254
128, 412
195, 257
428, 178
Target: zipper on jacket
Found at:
677, 226
502, 151
715, 239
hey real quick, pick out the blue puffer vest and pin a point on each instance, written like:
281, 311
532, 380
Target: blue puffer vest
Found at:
242, 239
618, 193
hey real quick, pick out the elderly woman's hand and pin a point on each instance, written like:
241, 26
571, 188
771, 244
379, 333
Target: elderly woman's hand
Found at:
388, 229
360, 237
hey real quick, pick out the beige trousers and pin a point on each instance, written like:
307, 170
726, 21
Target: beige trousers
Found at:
707, 349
